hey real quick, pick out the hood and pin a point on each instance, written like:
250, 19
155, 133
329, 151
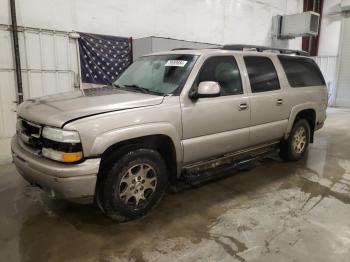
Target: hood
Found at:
55, 110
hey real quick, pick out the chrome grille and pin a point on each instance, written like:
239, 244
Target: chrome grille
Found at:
29, 133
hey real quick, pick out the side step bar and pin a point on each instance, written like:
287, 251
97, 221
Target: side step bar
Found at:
215, 168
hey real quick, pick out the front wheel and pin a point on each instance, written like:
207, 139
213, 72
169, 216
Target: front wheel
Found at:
132, 184
297, 143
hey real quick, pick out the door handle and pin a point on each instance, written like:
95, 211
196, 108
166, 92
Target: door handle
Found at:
243, 106
279, 101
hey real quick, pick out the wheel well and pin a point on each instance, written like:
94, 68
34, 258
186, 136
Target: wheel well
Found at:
161, 143
310, 116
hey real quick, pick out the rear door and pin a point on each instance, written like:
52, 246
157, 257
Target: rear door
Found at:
269, 112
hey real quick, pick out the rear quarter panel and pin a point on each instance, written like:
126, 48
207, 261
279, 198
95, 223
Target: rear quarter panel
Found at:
302, 98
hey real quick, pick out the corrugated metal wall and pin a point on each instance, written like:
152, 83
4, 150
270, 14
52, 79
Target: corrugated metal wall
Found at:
328, 66
343, 92
49, 65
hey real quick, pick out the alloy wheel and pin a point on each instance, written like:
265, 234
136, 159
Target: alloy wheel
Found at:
137, 185
299, 140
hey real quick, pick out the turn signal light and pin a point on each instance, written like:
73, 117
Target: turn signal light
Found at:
72, 157
62, 156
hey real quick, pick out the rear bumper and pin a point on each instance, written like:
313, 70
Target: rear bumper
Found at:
321, 118
75, 182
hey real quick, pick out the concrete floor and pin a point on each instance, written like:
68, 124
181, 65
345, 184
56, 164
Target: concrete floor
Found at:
277, 211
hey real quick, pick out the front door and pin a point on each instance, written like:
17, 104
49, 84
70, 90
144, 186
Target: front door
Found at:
217, 125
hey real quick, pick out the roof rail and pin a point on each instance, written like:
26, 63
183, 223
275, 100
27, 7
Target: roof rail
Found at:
264, 48
183, 48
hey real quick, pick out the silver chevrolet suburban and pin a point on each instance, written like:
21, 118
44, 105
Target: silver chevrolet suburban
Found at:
171, 118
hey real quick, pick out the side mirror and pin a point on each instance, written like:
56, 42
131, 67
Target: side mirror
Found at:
207, 89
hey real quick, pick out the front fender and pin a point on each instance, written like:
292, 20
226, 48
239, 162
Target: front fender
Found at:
107, 139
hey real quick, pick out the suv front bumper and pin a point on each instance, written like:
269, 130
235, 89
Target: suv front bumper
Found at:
75, 182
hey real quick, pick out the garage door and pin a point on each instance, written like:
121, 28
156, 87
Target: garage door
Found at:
343, 93
49, 65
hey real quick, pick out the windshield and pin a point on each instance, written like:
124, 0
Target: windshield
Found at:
160, 74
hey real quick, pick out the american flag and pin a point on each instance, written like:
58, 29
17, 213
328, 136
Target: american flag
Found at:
103, 58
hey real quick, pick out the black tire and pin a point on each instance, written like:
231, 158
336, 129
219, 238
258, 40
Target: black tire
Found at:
288, 149
116, 176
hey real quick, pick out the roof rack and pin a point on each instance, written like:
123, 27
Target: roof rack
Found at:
258, 48
182, 48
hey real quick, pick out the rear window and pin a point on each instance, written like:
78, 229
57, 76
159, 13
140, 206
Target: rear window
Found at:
301, 71
262, 74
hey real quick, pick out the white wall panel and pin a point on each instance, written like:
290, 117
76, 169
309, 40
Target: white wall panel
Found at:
212, 21
49, 82
73, 59
7, 105
236, 17
33, 50
281, 5
343, 91
6, 60
62, 51
4, 12
263, 17
35, 89
330, 29
22, 47
52, 14
7, 114
328, 66
65, 82
48, 51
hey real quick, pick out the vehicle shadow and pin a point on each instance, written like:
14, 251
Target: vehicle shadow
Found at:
67, 231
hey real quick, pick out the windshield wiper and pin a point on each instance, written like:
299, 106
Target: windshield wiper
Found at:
144, 90
140, 88
117, 86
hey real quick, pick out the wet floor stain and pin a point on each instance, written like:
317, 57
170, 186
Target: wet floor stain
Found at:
275, 211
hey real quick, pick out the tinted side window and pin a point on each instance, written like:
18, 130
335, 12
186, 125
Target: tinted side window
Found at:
301, 71
262, 74
224, 70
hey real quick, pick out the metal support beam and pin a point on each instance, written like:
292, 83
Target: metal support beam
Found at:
16, 52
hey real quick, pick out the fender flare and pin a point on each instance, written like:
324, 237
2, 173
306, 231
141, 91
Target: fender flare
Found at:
294, 112
105, 140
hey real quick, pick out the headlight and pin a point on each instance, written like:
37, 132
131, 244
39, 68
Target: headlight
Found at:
60, 135
61, 145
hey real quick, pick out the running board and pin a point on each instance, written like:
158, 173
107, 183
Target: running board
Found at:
215, 168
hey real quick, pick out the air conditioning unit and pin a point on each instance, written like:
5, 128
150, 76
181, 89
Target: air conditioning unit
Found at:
303, 24
345, 5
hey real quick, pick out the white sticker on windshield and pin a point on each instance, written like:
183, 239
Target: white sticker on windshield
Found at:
180, 63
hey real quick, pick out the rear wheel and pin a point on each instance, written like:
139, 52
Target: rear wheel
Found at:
296, 145
132, 184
